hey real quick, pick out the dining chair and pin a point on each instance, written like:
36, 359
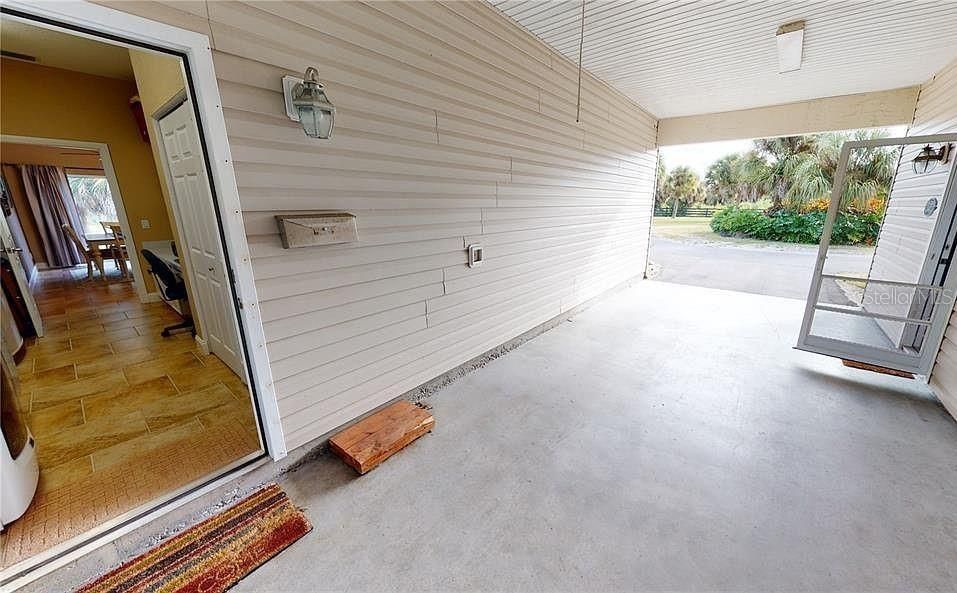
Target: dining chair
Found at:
91, 255
120, 255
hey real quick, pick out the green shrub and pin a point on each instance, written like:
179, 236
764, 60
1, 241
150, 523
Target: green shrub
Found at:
794, 227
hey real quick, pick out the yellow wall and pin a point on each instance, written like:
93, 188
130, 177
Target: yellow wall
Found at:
158, 79
53, 103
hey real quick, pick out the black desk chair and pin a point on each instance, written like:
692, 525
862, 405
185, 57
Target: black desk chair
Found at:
172, 288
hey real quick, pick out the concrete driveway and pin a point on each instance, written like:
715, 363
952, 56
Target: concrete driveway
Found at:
772, 269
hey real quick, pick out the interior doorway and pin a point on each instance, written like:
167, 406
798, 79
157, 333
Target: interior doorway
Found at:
81, 178
133, 383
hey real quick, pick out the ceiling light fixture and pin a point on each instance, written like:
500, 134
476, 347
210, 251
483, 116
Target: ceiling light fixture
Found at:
790, 39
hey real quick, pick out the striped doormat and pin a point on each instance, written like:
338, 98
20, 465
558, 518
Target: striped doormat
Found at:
214, 555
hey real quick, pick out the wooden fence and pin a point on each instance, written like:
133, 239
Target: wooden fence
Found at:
704, 212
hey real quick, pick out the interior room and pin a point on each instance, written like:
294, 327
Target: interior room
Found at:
125, 365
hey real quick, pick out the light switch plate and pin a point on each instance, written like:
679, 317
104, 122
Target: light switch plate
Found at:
145, 223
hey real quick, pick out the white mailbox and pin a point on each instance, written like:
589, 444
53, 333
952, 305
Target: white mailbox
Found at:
321, 228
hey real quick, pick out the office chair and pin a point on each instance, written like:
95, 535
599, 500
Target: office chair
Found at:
172, 288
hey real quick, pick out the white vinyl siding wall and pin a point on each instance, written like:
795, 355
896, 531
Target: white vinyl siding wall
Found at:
905, 237
937, 113
454, 126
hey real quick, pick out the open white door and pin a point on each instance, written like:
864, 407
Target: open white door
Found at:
12, 253
888, 306
194, 208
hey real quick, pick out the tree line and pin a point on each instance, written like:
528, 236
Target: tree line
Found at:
792, 172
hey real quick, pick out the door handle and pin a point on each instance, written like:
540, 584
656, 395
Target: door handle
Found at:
13, 250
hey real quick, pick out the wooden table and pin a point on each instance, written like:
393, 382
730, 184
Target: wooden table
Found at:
99, 242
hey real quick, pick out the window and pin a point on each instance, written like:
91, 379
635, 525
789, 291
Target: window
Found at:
94, 201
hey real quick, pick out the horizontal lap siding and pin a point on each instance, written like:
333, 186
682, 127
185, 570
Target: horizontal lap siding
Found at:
904, 239
937, 113
454, 126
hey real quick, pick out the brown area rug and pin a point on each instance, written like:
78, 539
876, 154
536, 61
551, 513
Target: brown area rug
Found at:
214, 555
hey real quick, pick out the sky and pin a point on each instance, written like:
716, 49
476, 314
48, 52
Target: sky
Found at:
700, 156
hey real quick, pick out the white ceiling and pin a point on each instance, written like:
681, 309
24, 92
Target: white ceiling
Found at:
62, 50
689, 57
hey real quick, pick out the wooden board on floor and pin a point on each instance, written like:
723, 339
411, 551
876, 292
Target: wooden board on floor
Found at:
371, 441
876, 369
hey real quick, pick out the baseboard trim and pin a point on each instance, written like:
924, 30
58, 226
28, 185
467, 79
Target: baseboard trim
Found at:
202, 343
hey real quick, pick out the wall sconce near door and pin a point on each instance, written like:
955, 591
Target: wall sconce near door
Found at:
927, 159
307, 103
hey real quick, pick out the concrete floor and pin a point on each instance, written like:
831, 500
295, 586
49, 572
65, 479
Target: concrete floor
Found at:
668, 438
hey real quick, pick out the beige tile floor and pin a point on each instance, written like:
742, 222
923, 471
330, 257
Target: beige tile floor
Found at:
120, 414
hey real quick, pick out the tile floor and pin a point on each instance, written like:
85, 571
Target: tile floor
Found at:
120, 414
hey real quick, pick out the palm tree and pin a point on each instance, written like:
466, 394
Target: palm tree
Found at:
748, 184
93, 199
869, 172
773, 172
682, 186
722, 179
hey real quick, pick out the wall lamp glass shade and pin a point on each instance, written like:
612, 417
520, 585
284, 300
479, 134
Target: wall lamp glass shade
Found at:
927, 159
307, 103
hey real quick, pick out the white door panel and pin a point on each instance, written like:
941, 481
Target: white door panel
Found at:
194, 206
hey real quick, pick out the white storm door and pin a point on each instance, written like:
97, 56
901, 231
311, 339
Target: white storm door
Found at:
869, 312
13, 256
194, 206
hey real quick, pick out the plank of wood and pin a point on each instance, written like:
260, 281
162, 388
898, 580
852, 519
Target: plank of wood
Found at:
876, 369
367, 443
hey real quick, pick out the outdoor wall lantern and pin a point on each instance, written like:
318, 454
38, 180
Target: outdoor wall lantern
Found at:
307, 103
927, 159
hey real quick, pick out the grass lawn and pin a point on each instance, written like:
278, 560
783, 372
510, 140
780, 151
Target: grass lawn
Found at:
684, 227
697, 229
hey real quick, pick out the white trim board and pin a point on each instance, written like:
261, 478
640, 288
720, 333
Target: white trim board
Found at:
99, 20
110, 173
846, 112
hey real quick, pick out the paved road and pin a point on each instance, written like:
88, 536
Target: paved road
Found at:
774, 270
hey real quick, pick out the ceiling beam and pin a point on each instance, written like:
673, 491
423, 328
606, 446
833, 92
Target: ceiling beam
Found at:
846, 112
